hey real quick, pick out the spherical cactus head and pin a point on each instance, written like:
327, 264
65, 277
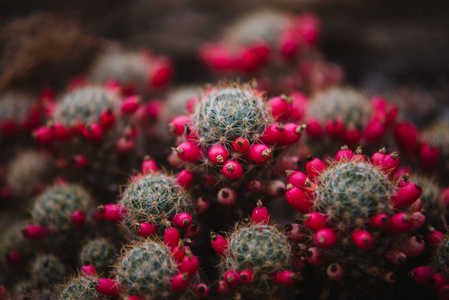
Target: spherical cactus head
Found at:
98, 252
154, 198
47, 269
55, 207
261, 249
230, 112
146, 269
81, 287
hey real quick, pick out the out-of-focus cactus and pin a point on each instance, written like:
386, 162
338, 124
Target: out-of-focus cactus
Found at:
99, 253
80, 287
434, 149
46, 270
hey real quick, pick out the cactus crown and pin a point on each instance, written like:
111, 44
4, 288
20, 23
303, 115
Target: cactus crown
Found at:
80, 287
46, 269
352, 192
98, 252
55, 206
226, 114
348, 105
84, 105
146, 269
154, 198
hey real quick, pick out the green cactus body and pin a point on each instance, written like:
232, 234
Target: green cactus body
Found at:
12, 240
28, 171
25, 290
438, 136
128, 68
98, 252
146, 270
46, 269
262, 249
440, 256
54, 208
80, 287
154, 198
14, 106
229, 113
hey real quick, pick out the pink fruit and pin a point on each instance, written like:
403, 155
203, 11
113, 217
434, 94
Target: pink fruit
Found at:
223, 287
182, 220
260, 214
406, 136
284, 277
148, 165
435, 238
227, 196
93, 133
335, 272
296, 198
191, 103
178, 124
179, 252
378, 157
232, 170
335, 128
60, 133
259, 153
291, 134
218, 154
315, 221
273, 133
240, 145
125, 144
374, 130
406, 195
219, 243
202, 205
162, 73
179, 282
315, 256
78, 218
192, 230
88, 270
13, 258
288, 45
188, 151
33, 232
314, 129
390, 164
438, 280
421, 275
112, 212
379, 221
254, 186
276, 188
351, 136
107, 119
429, 156
362, 239
108, 287
400, 223
246, 276
171, 237
314, 168
43, 135
297, 179
279, 107
190, 264
295, 232
395, 257
326, 238
201, 290
80, 161
146, 229
413, 246
232, 278
344, 154
184, 178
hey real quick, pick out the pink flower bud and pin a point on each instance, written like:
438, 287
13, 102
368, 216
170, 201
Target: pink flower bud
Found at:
335, 272
78, 218
344, 154
232, 170
184, 178
218, 154
314, 168
34, 232
315, 221
260, 214
284, 278
146, 229
246, 276
296, 198
182, 220
219, 243
189, 152
421, 275
88, 270
108, 287
240, 145
178, 124
171, 237
179, 282
227, 196
362, 239
259, 153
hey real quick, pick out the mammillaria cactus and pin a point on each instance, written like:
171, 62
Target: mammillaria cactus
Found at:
80, 287
256, 258
434, 149
137, 72
14, 248
99, 253
357, 215
46, 269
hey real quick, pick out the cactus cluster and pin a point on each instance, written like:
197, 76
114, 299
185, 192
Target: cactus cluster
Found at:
47, 269
99, 253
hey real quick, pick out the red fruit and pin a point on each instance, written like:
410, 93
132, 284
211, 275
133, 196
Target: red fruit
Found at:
315, 256
421, 275
43, 135
259, 153
379, 221
78, 218
406, 136
182, 220
171, 237
202, 205
326, 238
335, 128
295, 232
9, 128
249, 60
88, 270
260, 214
145, 229
107, 119
108, 287
192, 230
80, 161
362, 239
314, 129
232, 278
178, 124
390, 164
232, 170
184, 178
299, 103
435, 238
218, 154
246, 277
179, 282
400, 223
240, 145
279, 107
314, 168
191, 103
135, 298
291, 134
413, 246
389, 277
418, 220
297, 179
429, 157
315, 221
374, 130
284, 278
219, 243
149, 165
77, 128
444, 292
162, 73
190, 264
359, 157
308, 28
201, 290
34, 232
254, 186
130, 105
351, 136
288, 45
223, 287
227, 196
93, 133
344, 154
209, 180
395, 257
335, 272
112, 212
125, 144
378, 158
179, 252
216, 57
438, 280
406, 195
296, 198
276, 188
154, 109
273, 133
13, 258
188, 151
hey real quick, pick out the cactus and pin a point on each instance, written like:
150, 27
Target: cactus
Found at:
146, 269
15, 108
98, 252
14, 248
46, 269
154, 198
434, 151
357, 217
25, 290
28, 172
80, 287
440, 256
